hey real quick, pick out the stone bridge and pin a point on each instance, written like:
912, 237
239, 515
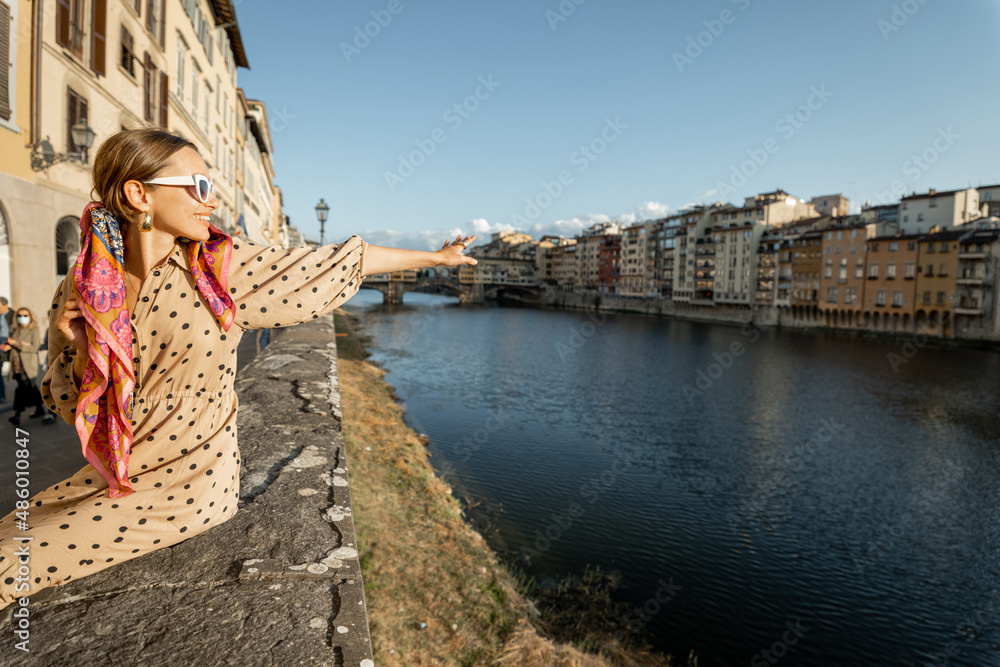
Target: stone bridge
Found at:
393, 290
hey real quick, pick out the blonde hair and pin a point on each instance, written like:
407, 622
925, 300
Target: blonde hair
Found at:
131, 155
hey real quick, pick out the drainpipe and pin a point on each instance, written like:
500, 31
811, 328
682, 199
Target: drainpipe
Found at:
36, 72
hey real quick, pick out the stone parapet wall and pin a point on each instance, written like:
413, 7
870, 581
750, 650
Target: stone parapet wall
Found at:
278, 584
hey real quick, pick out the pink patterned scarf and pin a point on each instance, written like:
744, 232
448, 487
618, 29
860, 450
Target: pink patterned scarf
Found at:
104, 407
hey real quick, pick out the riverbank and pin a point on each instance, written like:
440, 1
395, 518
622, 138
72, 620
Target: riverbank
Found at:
436, 592
907, 329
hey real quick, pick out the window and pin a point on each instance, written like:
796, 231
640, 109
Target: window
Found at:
208, 102
854, 248
944, 246
943, 270
911, 245
940, 298
872, 271
932, 203
906, 218
854, 234
930, 247
181, 59
910, 270
897, 298
927, 298
929, 273
151, 16
843, 270
67, 245
69, 26
859, 269
890, 271
831, 295
851, 296
195, 71
873, 247
76, 110
128, 52
893, 246
920, 217
880, 297
828, 271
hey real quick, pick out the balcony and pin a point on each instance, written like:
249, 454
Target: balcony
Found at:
968, 310
981, 254
971, 280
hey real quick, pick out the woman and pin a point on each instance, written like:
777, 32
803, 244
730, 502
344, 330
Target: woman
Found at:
23, 345
142, 357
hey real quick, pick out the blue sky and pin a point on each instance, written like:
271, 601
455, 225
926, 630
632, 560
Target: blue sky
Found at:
874, 83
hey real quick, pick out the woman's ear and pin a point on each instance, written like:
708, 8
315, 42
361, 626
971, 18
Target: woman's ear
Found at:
136, 195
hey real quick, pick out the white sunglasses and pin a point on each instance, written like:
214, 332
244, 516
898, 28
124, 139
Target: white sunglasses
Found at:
203, 185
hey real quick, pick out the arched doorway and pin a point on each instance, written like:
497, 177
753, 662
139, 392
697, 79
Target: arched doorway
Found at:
67, 245
4, 255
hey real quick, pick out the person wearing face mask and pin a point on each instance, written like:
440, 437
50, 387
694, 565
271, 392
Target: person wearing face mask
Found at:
23, 341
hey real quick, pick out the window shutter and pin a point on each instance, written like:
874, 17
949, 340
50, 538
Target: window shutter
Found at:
138, 7
62, 23
147, 88
99, 37
4, 61
150, 17
164, 94
76, 110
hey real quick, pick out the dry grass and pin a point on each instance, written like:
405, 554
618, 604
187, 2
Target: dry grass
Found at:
436, 593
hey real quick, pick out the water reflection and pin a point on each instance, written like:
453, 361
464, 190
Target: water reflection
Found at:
807, 477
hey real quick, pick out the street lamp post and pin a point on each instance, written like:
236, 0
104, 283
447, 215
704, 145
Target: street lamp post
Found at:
44, 156
321, 212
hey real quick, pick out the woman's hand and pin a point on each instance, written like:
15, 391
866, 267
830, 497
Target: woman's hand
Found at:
71, 324
450, 253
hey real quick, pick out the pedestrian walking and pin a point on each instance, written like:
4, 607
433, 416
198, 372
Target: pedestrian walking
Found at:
142, 356
23, 346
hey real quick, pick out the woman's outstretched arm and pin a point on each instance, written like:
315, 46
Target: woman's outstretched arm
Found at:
380, 259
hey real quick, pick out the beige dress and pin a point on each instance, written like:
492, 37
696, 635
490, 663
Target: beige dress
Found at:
184, 462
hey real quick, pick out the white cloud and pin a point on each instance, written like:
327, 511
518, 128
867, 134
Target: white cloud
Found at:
483, 228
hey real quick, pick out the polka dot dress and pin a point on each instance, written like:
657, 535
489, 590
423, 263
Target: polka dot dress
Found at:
184, 463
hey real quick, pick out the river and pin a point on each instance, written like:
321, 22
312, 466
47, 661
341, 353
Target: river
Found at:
768, 496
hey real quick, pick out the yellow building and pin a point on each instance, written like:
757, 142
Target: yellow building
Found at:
15, 129
105, 67
101, 67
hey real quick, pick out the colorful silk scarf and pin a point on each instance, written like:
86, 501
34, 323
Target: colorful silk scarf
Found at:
104, 406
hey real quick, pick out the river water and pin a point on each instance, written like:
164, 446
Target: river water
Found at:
768, 496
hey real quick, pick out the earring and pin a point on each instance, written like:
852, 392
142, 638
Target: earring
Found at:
147, 223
